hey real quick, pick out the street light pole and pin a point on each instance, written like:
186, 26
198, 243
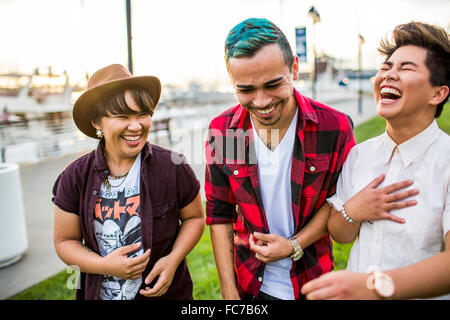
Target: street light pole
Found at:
360, 92
314, 67
129, 37
314, 15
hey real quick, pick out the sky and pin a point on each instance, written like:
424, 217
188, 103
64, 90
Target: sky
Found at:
182, 40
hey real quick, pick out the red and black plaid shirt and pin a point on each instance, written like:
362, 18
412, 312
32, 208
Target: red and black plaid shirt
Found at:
324, 138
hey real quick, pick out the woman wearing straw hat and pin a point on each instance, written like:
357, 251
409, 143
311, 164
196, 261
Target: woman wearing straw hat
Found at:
126, 214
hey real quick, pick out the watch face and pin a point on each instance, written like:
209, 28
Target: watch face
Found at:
384, 286
297, 255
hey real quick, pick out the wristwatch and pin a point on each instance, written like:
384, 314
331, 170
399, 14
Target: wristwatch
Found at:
381, 283
298, 251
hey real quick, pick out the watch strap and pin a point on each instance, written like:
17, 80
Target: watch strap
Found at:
298, 251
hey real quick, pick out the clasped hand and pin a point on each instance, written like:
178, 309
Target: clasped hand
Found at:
270, 247
119, 265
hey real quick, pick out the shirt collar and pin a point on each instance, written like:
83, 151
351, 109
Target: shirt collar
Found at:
241, 118
99, 156
412, 148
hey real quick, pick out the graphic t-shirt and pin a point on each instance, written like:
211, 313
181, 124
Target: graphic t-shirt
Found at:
117, 223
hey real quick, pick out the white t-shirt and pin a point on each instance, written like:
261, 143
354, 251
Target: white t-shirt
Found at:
117, 223
274, 173
425, 159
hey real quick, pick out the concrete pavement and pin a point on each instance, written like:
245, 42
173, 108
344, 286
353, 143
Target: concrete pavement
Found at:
40, 260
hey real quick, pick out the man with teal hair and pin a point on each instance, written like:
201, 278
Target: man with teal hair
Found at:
272, 160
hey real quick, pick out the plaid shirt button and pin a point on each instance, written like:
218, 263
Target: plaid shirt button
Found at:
236, 172
312, 169
260, 279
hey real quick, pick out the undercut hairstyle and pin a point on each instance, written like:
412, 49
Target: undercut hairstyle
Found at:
114, 103
249, 36
435, 40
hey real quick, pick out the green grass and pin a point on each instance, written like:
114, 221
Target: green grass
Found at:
444, 120
53, 288
201, 260
203, 270
377, 126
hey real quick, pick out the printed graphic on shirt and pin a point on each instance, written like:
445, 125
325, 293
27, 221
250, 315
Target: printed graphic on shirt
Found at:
117, 223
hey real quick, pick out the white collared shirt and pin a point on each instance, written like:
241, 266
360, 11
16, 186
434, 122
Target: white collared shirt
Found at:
425, 159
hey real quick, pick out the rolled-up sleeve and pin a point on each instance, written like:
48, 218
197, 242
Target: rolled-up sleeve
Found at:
347, 142
188, 185
344, 183
65, 192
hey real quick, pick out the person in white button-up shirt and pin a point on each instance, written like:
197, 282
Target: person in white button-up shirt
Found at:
407, 242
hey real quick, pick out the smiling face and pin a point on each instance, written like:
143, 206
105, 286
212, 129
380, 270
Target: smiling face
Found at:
125, 134
402, 89
264, 86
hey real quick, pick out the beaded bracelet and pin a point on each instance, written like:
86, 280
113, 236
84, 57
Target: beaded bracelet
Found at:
347, 217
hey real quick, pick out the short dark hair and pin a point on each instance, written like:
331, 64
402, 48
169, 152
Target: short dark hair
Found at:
247, 37
434, 40
114, 103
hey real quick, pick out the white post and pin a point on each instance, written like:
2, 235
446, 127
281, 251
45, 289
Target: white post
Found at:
13, 233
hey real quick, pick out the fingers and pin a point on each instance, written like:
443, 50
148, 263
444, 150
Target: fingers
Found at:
136, 275
255, 245
394, 203
141, 266
128, 249
136, 265
400, 205
142, 259
393, 218
396, 196
326, 293
259, 248
262, 258
152, 275
397, 186
265, 237
377, 181
314, 285
160, 287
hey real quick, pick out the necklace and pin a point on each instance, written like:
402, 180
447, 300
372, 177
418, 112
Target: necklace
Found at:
120, 176
108, 184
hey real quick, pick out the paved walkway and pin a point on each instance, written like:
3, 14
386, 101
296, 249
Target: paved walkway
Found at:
40, 260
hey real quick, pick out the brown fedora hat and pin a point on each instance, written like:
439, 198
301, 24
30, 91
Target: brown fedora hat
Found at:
102, 81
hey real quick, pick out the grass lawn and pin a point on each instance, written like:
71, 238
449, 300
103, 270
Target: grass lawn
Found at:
201, 260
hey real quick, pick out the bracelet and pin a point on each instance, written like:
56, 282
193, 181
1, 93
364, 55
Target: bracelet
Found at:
347, 217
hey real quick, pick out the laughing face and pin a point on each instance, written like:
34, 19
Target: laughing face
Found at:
125, 134
264, 86
403, 92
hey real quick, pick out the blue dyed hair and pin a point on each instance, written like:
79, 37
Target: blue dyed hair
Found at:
249, 36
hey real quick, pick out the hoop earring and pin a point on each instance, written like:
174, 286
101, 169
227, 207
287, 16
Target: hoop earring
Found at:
99, 133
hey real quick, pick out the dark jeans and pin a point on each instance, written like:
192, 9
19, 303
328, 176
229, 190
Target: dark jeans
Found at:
265, 296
